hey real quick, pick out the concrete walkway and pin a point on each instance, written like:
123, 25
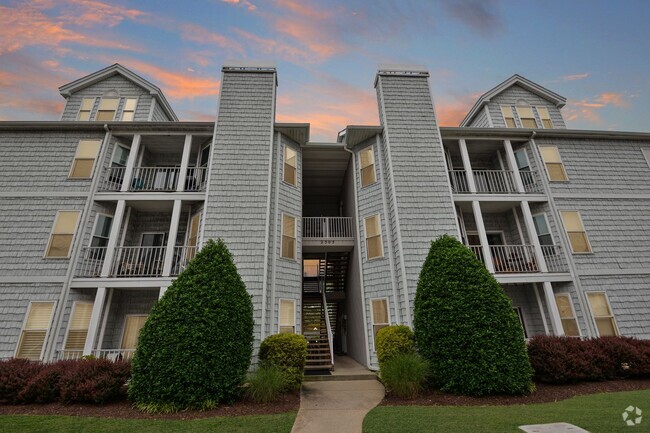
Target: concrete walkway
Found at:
340, 403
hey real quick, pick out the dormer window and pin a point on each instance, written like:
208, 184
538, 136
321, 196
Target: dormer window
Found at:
86, 108
526, 117
545, 117
508, 116
128, 112
107, 109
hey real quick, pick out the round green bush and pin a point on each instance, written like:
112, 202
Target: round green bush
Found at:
405, 374
287, 352
196, 346
465, 326
394, 340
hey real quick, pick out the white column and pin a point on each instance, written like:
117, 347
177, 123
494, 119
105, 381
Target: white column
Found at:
98, 306
480, 227
130, 163
171, 239
162, 291
467, 166
556, 321
512, 162
532, 235
187, 146
107, 311
113, 238
541, 308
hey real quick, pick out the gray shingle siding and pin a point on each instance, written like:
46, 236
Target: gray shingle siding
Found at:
480, 120
158, 114
511, 96
126, 302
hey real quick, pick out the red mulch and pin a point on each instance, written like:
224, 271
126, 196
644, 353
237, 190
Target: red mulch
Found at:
544, 394
123, 409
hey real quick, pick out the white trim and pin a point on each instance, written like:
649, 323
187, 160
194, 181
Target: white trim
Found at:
541, 120
365, 236
573, 311
542, 313
92, 107
521, 122
74, 158
522, 319
295, 237
47, 332
548, 176
503, 116
274, 233
285, 146
119, 99
372, 317
609, 306
152, 107
72, 311
74, 235
92, 233
123, 104
488, 115
646, 154
295, 323
102, 331
522, 151
548, 226
584, 230
374, 168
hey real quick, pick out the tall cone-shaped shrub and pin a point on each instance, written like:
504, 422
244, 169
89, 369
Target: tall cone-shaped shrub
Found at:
465, 325
195, 348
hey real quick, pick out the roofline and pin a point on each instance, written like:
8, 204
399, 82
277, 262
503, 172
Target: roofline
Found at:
558, 100
372, 129
115, 126
83, 82
526, 134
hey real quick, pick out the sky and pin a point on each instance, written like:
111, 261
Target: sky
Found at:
594, 53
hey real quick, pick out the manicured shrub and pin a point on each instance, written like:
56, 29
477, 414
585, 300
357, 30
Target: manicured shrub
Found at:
405, 374
626, 357
266, 384
14, 375
288, 352
394, 340
195, 348
94, 381
465, 326
45, 386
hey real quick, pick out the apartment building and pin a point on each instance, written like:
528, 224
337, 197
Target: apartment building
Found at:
100, 211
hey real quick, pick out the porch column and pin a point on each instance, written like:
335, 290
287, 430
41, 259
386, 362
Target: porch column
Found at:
556, 321
187, 146
467, 166
162, 291
130, 163
171, 239
113, 238
532, 235
95, 318
541, 308
512, 162
480, 227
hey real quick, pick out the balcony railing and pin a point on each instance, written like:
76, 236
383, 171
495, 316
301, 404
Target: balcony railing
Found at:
110, 354
182, 256
327, 227
554, 258
69, 354
138, 262
196, 179
508, 259
154, 179
492, 182
113, 179
91, 262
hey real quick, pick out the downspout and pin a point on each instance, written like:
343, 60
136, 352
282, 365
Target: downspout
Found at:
360, 262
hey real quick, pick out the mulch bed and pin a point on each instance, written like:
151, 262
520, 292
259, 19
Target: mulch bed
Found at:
544, 394
123, 409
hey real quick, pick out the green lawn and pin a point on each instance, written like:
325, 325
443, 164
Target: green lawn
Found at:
598, 413
59, 424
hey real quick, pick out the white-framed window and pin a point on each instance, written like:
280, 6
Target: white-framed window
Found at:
84, 159
288, 250
367, 164
542, 229
520, 315
380, 316
287, 316
374, 243
508, 116
554, 166
133, 323
86, 108
107, 109
646, 154
78, 326
290, 166
522, 160
102, 230
63, 230
35, 329
128, 110
310, 268
526, 117
575, 231
601, 311
545, 117
567, 315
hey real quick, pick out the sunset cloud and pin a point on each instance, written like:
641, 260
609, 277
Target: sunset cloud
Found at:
203, 36
89, 13
250, 6
575, 77
452, 110
481, 16
589, 109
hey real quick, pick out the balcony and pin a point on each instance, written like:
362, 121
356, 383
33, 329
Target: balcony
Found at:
327, 233
512, 259
494, 182
154, 179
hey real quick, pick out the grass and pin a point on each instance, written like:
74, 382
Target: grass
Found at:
598, 413
280, 423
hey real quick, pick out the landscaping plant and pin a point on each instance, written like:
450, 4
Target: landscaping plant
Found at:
266, 384
465, 325
196, 345
405, 374
288, 352
394, 340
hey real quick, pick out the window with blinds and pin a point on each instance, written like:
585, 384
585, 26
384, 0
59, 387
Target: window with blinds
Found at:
84, 159
107, 109
602, 314
374, 245
78, 327
367, 158
132, 327
545, 117
575, 232
128, 111
32, 338
567, 315
508, 116
290, 164
86, 108
526, 117
553, 162
287, 322
288, 237
380, 316
65, 225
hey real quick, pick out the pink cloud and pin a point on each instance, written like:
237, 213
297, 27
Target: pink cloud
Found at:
575, 77
452, 111
250, 6
196, 33
589, 109
89, 13
274, 47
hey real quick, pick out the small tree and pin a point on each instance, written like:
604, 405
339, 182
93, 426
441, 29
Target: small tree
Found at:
196, 346
465, 325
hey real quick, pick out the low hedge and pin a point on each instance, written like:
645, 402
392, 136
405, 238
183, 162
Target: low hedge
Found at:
560, 360
394, 340
288, 352
83, 381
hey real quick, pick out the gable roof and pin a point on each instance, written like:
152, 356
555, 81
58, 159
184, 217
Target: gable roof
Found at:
117, 69
558, 100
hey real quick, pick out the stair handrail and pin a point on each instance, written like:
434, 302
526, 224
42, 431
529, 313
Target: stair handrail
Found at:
330, 337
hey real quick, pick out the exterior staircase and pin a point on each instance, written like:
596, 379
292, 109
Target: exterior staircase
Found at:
314, 328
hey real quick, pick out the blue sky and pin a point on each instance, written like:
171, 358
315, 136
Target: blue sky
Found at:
595, 53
